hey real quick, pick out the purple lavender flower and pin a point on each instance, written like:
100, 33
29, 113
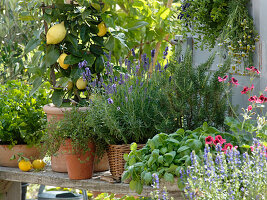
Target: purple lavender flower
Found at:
170, 78
120, 61
165, 53
133, 53
114, 88
153, 51
82, 64
110, 101
130, 89
126, 77
115, 78
166, 65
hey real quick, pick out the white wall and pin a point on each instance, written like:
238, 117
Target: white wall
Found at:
258, 9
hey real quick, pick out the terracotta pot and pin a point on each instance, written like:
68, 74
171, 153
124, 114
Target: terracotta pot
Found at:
102, 164
5, 154
58, 163
79, 165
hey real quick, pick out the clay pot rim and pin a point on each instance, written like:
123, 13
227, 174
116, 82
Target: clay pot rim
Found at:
52, 109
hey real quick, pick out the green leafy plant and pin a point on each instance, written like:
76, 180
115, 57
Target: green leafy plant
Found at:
165, 155
77, 126
22, 118
79, 54
194, 93
225, 22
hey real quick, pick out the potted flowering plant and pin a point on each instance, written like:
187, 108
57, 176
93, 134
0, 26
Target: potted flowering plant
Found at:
22, 121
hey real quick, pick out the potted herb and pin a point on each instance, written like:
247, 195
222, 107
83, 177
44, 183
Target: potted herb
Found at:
22, 121
81, 142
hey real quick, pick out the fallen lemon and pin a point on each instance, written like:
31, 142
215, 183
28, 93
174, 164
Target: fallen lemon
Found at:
61, 61
25, 165
38, 164
56, 34
81, 84
102, 29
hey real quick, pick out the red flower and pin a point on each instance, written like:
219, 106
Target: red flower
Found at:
245, 90
226, 146
256, 70
252, 148
221, 140
261, 99
209, 140
234, 81
249, 107
253, 98
216, 141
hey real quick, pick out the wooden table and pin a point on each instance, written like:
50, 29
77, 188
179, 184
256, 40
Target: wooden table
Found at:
50, 178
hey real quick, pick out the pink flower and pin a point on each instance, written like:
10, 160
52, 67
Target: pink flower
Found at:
252, 148
261, 99
245, 90
208, 140
226, 146
253, 98
251, 88
253, 69
249, 107
234, 81
222, 79
265, 89
256, 70
236, 147
221, 140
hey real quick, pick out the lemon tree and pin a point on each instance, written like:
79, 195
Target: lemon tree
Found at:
73, 33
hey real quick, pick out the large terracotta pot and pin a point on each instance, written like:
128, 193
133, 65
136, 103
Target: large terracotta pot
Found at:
53, 113
79, 165
5, 154
102, 164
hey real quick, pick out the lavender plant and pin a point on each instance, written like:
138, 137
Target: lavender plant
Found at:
157, 194
134, 106
229, 175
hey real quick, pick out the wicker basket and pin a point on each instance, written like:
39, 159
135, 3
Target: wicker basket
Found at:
116, 161
4, 186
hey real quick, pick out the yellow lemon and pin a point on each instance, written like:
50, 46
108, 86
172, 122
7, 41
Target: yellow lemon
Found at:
102, 29
81, 84
25, 165
56, 34
38, 164
69, 85
61, 61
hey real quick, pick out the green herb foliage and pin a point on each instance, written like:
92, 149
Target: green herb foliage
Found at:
226, 22
77, 126
165, 155
21, 114
194, 93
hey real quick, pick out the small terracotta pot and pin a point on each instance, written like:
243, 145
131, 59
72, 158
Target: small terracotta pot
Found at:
79, 165
5, 154
101, 165
53, 113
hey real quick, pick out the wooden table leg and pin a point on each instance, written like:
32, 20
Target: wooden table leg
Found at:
13, 192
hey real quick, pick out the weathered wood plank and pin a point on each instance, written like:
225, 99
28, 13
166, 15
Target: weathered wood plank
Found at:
50, 178
14, 192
